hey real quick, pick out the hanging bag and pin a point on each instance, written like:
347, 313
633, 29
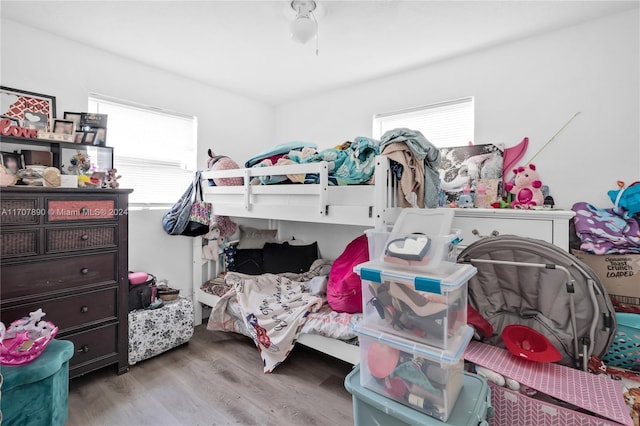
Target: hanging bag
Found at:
188, 216
199, 215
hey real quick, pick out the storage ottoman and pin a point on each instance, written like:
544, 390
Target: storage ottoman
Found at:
472, 407
154, 331
38, 393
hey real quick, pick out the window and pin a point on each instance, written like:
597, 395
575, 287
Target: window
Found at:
444, 124
153, 150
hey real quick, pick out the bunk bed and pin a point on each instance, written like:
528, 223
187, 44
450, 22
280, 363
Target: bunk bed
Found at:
371, 205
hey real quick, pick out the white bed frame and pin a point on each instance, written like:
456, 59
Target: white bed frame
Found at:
363, 205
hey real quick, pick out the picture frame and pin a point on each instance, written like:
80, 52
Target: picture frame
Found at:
12, 161
65, 127
469, 165
77, 137
73, 116
33, 110
88, 138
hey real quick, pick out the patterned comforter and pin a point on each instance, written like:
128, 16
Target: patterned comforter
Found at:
275, 309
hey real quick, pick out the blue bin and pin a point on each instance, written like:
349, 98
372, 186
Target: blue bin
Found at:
472, 407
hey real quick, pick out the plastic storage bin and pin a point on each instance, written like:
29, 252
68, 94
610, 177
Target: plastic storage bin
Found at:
416, 375
422, 252
429, 308
471, 409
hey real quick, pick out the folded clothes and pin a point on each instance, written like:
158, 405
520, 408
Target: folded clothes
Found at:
606, 231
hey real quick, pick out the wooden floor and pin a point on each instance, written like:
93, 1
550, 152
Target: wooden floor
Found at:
215, 379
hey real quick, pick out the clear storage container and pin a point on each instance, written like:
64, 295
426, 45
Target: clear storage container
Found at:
426, 307
425, 378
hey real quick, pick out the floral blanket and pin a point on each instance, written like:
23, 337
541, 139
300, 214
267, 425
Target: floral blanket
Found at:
273, 309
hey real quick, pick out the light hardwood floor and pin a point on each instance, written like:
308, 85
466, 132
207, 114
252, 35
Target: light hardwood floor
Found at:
215, 379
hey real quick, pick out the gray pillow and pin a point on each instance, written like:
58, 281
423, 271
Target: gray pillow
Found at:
252, 238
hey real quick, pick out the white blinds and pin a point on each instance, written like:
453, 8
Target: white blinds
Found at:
154, 150
444, 124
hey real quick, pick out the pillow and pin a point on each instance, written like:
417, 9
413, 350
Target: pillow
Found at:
278, 258
252, 238
247, 261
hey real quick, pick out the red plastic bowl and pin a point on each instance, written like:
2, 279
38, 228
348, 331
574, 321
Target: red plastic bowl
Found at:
526, 343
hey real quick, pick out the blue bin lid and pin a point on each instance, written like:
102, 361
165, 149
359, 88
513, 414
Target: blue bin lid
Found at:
449, 277
471, 407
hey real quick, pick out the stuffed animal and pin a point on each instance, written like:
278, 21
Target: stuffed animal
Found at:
526, 187
466, 199
221, 162
214, 241
627, 198
111, 180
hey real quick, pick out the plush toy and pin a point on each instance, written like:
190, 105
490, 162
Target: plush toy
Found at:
214, 241
111, 180
466, 199
627, 198
526, 187
221, 162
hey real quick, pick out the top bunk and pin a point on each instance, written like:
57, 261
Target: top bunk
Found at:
371, 205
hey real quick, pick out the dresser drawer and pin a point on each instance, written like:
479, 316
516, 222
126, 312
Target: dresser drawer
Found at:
19, 243
25, 279
82, 210
93, 344
71, 311
66, 239
20, 211
476, 228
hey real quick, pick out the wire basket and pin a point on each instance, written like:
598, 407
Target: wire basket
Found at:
625, 349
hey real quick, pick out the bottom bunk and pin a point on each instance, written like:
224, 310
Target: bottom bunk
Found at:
321, 329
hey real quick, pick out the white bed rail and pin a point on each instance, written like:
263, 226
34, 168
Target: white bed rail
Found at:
367, 205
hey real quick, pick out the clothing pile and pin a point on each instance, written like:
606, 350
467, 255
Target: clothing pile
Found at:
606, 231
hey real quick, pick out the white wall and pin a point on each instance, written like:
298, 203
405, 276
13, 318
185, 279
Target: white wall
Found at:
40, 62
526, 88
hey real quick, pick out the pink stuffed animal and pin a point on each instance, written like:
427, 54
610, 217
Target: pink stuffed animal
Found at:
222, 162
526, 187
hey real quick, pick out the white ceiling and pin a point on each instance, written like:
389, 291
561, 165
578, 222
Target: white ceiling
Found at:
245, 46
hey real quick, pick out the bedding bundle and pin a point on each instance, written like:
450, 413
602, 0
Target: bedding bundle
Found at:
351, 163
272, 309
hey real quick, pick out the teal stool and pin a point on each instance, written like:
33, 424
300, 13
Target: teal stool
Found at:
37, 393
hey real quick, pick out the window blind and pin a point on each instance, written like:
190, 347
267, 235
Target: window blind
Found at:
154, 149
444, 124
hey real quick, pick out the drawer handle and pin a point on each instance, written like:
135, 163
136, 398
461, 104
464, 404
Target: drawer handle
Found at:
84, 349
84, 309
84, 271
84, 237
494, 233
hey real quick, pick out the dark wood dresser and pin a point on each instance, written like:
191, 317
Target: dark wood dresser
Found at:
66, 251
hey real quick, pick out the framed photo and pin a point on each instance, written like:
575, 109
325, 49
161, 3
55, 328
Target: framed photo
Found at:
65, 127
73, 116
12, 161
77, 137
464, 167
89, 137
33, 110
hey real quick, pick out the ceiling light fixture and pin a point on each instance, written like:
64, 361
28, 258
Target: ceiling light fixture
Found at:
305, 26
